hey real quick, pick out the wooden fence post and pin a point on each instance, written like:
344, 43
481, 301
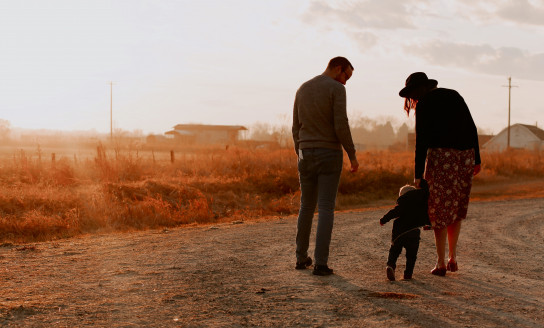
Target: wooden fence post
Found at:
172, 156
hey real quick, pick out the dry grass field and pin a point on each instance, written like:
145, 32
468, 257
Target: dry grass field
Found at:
118, 189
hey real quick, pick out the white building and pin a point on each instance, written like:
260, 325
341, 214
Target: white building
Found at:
522, 136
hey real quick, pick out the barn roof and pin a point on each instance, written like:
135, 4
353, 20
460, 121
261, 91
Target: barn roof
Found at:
203, 127
535, 130
180, 132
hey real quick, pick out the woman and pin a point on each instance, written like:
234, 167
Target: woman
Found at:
447, 150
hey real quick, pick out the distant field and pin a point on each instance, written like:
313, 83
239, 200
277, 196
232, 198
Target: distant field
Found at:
98, 188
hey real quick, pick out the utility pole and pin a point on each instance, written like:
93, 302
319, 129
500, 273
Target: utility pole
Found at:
111, 110
510, 86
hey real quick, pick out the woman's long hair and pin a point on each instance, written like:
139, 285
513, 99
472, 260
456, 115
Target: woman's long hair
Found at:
409, 103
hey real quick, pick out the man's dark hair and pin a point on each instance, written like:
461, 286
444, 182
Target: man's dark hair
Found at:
340, 61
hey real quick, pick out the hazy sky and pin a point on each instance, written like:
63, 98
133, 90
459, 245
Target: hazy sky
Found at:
240, 62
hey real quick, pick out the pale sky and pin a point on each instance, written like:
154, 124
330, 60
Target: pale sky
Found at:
241, 61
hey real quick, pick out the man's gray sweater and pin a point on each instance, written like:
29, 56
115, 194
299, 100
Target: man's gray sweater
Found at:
319, 116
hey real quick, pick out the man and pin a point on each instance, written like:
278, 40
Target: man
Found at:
320, 129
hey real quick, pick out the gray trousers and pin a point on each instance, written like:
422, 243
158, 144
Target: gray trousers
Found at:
319, 175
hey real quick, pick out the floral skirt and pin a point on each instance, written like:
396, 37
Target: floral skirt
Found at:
449, 173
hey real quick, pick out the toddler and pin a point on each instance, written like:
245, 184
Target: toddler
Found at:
410, 214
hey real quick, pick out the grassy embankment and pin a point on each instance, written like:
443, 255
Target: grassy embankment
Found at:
125, 190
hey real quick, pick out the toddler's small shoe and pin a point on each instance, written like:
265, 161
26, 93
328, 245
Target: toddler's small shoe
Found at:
304, 264
390, 273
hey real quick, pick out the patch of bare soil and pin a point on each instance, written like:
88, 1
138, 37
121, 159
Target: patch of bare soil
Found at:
242, 274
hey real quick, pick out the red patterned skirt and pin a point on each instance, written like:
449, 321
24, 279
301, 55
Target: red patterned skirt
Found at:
449, 173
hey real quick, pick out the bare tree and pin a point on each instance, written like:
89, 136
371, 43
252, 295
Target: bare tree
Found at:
5, 130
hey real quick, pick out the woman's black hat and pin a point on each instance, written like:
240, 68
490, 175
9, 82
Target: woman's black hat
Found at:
415, 80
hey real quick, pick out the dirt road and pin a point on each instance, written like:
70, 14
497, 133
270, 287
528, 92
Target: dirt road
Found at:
241, 274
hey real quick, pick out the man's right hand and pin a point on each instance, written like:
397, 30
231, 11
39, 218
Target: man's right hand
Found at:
354, 165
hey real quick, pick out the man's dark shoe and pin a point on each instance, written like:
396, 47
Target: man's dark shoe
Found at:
304, 264
407, 276
322, 270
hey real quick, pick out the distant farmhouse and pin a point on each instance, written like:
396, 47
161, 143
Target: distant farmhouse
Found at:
521, 136
206, 134
411, 140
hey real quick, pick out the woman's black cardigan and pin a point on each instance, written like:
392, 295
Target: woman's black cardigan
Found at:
443, 120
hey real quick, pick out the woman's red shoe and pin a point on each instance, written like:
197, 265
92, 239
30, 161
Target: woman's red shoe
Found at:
452, 266
439, 272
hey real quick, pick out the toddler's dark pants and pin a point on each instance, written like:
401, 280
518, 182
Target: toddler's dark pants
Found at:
409, 241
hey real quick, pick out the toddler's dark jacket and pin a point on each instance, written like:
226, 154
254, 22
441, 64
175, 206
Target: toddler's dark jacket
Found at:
411, 211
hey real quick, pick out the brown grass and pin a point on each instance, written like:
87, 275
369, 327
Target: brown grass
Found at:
126, 190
